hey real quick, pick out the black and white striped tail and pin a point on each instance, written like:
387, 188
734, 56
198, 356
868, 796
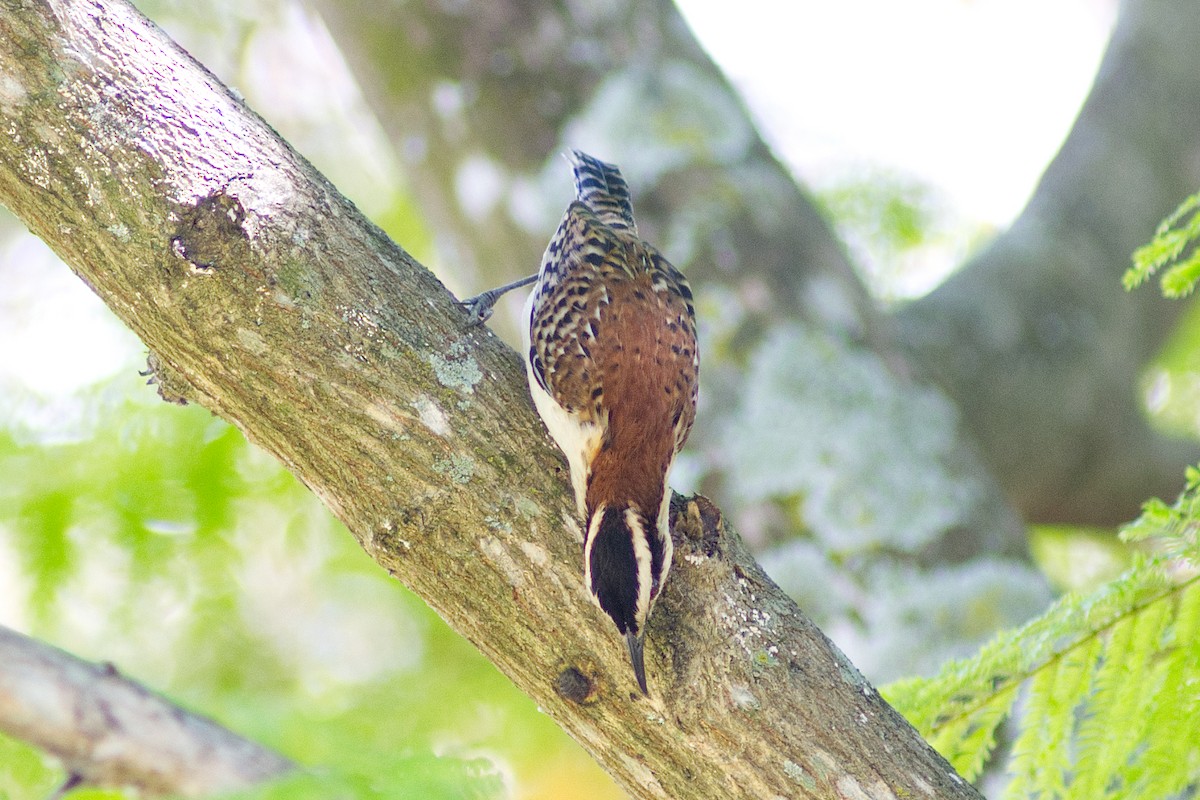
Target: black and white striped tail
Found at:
600, 187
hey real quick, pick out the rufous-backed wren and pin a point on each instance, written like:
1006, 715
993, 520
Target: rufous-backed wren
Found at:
610, 352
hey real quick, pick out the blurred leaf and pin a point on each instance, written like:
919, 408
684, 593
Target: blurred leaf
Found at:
904, 236
1078, 558
44, 518
1174, 248
413, 777
24, 771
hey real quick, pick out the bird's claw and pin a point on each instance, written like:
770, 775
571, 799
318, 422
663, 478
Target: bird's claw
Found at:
479, 308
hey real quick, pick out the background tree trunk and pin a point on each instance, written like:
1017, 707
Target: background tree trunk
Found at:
265, 296
1035, 338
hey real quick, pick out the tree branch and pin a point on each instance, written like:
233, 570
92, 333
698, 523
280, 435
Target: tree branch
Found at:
111, 732
270, 298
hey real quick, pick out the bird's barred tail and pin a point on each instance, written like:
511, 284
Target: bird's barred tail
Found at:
600, 187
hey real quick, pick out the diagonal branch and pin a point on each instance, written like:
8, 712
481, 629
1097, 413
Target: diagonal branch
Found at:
109, 731
266, 296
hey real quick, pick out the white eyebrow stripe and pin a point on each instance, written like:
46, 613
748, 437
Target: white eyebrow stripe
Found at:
641, 554
589, 540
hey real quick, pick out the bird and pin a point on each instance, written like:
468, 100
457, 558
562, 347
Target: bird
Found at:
610, 349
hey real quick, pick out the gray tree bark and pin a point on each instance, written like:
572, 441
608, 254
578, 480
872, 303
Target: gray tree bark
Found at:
109, 731
265, 296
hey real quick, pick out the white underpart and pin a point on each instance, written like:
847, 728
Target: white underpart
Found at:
577, 440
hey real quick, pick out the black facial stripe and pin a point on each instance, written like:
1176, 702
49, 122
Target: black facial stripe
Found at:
614, 570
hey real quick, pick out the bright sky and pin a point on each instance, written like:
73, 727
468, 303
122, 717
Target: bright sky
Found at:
972, 96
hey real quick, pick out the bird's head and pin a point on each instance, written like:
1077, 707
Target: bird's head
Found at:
626, 558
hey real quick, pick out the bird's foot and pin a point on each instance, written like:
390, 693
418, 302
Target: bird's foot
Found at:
480, 307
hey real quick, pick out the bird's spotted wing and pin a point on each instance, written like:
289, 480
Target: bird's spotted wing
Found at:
613, 340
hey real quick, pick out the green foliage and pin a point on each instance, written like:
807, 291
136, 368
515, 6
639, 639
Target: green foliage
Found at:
892, 209
23, 767
883, 217
1173, 247
425, 776
1170, 385
1110, 680
1077, 558
902, 234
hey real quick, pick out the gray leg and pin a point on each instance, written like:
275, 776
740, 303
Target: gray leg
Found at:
480, 306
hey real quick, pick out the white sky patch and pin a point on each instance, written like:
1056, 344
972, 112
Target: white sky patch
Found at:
56, 337
973, 97
479, 185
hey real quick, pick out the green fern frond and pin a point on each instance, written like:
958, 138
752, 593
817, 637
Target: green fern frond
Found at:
1115, 712
1173, 246
1111, 679
1170, 760
967, 740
